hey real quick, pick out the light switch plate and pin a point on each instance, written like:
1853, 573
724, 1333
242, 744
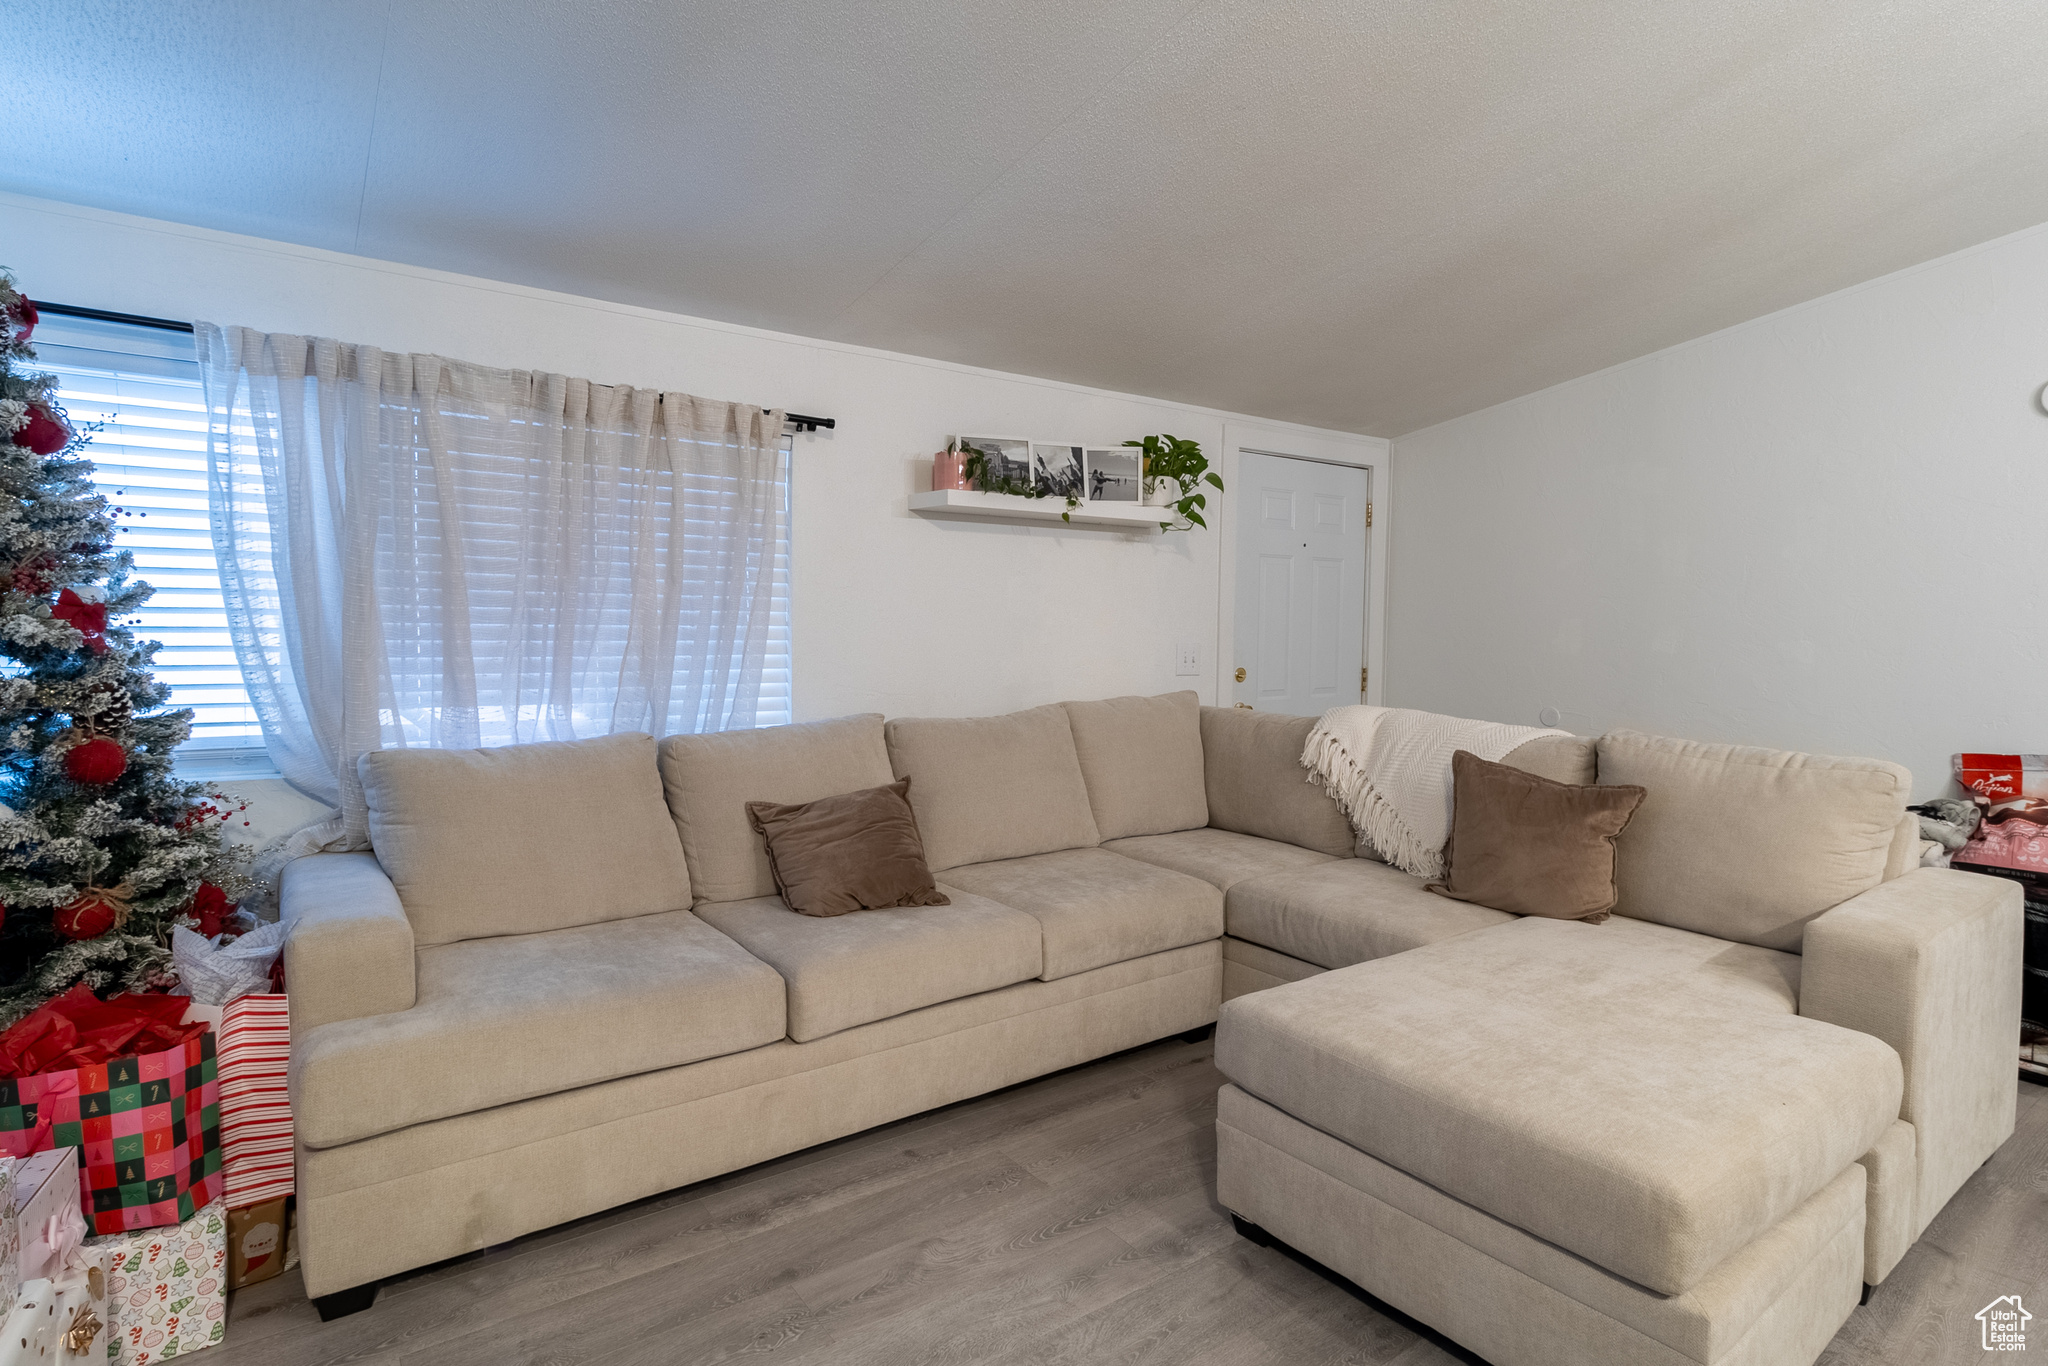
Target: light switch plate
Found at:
1187, 659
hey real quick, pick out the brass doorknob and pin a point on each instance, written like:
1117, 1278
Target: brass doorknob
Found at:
1240, 675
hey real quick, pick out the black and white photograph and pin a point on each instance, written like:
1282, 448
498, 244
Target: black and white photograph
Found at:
1056, 470
1008, 459
1111, 473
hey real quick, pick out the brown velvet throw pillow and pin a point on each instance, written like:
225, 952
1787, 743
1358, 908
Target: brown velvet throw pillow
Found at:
1531, 846
856, 851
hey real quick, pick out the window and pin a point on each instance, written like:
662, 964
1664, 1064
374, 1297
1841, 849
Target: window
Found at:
142, 385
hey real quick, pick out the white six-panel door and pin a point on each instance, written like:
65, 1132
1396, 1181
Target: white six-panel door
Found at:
1301, 579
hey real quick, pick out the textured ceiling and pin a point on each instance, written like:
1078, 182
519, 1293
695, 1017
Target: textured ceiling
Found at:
1354, 213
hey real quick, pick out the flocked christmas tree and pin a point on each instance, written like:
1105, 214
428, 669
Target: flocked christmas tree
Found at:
102, 850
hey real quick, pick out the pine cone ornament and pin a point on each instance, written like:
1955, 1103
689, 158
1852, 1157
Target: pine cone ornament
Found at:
96, 762
91, 913
112, 709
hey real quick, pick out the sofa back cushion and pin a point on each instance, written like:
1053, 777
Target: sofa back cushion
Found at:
1252, 773
709, 779
1748, 844
993, 787
523, 838
1142, 760
1570, 759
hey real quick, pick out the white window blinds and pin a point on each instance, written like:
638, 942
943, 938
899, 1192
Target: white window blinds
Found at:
141, 385
777, 706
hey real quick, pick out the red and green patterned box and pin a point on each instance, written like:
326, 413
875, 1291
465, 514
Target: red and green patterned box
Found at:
148, 1128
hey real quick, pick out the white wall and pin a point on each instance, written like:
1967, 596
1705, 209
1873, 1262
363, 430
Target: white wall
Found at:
891, 612
1825, 529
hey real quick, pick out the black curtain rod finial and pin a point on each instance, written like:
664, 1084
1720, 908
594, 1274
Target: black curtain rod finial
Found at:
805, 423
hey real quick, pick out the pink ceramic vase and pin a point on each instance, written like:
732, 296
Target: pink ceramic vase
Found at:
948, 471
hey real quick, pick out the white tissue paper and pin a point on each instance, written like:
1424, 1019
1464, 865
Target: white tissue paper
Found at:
214, 973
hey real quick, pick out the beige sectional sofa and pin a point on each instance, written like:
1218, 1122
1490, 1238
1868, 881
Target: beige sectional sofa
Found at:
564, 981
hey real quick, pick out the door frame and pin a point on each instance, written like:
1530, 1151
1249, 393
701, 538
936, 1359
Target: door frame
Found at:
1334, 448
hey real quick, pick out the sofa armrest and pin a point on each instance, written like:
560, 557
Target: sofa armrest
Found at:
349, 951
1930, 963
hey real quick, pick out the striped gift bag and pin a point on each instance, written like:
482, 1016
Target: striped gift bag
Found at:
256, 1112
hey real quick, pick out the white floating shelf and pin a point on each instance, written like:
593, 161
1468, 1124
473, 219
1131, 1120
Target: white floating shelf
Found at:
1006, 507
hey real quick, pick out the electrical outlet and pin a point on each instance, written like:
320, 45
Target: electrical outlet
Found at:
1187, 660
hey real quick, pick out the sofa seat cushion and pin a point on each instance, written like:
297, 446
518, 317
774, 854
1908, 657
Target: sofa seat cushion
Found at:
1222, 858
871, 965
1641, 1096
1095, 907
506, 1019
1347, 911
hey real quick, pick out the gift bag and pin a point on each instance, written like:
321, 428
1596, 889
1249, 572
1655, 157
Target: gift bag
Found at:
148, 1121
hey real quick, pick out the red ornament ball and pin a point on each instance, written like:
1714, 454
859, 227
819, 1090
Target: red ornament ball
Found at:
43, 434
88, 917
98, 761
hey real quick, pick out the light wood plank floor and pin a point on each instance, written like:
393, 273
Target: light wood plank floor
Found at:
1070, 1219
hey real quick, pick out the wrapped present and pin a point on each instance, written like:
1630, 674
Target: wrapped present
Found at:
59, 1320
255, 1106
167, 1289
46, 1211
61, 1313
259, 1239
10, 1238
148, 1120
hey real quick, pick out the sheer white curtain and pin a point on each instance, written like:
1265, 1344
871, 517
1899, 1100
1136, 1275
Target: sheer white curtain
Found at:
421, 552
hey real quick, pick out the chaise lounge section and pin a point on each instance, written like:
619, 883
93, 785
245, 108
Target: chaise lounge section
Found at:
1645, 1141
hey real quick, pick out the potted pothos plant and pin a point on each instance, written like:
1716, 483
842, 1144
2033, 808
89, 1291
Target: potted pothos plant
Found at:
1172, 475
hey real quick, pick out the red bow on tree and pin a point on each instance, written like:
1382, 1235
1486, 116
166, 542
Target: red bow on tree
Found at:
89, 619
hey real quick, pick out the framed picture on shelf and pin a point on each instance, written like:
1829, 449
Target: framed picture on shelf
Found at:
1056, 470
1007, 460
1110, 473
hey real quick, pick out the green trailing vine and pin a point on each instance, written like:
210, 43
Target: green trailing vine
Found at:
977, 472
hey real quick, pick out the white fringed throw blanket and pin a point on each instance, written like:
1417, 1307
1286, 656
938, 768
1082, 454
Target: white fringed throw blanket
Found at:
1390, 769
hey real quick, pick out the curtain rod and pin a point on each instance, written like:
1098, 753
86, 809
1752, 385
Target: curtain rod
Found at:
803, 422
